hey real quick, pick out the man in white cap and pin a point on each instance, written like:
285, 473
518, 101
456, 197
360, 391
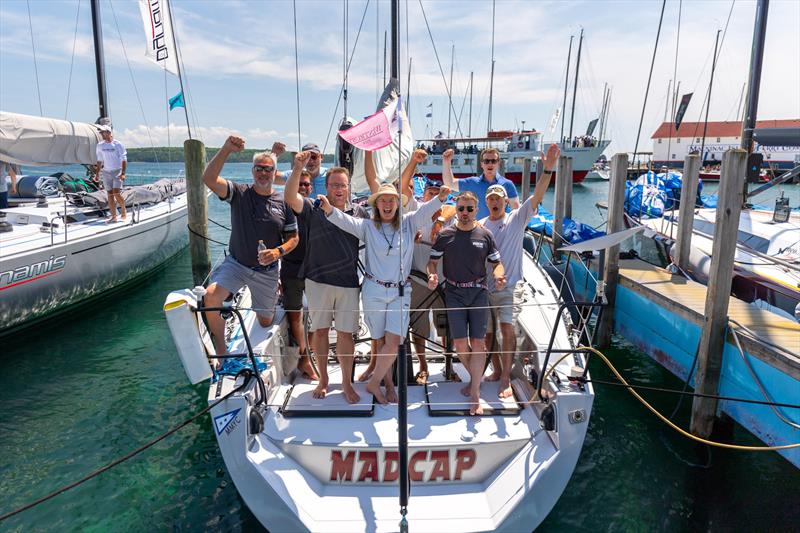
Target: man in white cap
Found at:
508, 230
112, 159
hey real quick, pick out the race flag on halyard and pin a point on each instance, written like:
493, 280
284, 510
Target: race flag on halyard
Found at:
429, 105
682, 109
554, 120
176, 101
158, 34
428, 115
376, 131
591, 127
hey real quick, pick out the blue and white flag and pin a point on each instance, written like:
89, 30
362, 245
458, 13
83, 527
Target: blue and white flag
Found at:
176, 101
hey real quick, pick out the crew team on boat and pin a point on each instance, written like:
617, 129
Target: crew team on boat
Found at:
310, 243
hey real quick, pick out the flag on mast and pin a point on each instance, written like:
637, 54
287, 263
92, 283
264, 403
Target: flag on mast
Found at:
158, 33
376, 131
176, 101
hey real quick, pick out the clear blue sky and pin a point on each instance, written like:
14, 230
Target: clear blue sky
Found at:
239, 58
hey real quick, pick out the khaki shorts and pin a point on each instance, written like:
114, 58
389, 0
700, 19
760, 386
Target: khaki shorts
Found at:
506, 304
420, 320
328, 303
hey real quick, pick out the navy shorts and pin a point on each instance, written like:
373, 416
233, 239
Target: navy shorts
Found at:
464, 320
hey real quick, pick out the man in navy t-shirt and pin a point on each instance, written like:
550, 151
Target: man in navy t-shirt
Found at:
490, 162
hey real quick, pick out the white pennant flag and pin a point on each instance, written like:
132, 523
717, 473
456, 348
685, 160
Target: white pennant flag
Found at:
158, 33
554, 120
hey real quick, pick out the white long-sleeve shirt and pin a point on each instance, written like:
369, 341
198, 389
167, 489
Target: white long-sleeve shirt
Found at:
383, 244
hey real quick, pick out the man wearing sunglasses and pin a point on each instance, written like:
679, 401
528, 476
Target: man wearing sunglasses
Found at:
464, 249
508, 230
490, 163
258, 214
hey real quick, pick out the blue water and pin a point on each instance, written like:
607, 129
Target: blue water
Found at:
89, 387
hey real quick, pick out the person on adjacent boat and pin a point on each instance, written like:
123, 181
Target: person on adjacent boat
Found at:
385, 311
112, 160
7, 171
508, 230
330, 268
258, 215
293, 285
490, 162
464, 249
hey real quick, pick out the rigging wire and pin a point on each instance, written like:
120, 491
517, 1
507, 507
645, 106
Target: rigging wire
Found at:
649, 78
296, 74
35, 66
675, 77
441, 70
133, 82
72, 58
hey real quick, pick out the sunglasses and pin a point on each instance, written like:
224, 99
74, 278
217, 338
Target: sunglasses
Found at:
469, 208
263, 168
313, 157
490, 161
305, 184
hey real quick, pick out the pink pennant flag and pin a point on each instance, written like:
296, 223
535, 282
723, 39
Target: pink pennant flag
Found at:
374, 132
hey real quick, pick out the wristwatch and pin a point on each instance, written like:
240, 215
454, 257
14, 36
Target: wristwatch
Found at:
281, 250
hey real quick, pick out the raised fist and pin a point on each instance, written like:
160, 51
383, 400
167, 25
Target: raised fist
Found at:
234, 144
447, 156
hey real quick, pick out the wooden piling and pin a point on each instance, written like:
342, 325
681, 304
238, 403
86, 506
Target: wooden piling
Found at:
610, 274
568, 189
539, 171
712, 339
683, 240
562, 195
526, 179
194, 153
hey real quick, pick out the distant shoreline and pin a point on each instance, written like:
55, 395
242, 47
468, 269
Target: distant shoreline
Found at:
161, 154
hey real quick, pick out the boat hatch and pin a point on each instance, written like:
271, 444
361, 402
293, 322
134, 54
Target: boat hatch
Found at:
300, 402
445, 399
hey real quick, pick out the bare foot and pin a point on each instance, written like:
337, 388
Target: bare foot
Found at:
391, 395
321, 390
465, 390
475, 406
307, 369
494, 376
111, 220
377, 392
505, 389
365, 375
350, 394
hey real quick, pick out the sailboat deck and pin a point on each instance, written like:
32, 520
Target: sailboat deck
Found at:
688, 299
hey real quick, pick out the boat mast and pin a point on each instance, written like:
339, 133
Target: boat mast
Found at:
603, 111
402, 361
99, 64
754, 78
469, 129
575, 86
566, 88
450, 91
491, 77
708, 102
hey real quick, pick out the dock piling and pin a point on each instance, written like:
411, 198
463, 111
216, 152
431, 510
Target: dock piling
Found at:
715, 320
194, 153
526, 179
683, 240
563, 195
610, 274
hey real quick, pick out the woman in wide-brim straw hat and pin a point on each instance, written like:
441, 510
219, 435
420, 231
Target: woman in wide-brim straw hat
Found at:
385, 312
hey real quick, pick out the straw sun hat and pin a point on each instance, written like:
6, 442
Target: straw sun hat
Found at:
386, 188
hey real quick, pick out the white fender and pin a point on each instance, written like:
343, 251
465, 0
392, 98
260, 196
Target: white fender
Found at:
186, 335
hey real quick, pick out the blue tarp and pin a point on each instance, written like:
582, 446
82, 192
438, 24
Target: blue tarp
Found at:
574, 232
652, 194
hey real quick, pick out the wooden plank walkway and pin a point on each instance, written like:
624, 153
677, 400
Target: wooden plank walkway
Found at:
688, 298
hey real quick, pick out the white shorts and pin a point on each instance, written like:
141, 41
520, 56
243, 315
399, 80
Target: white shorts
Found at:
111, 179
383, 310
506, 304
329, 304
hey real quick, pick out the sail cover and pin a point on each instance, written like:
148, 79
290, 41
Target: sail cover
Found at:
386, 161
29, 140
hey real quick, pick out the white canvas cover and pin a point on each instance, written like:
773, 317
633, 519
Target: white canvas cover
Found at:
29, 140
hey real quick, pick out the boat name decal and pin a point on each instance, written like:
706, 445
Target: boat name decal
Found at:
33, 270
227, 422
383, 466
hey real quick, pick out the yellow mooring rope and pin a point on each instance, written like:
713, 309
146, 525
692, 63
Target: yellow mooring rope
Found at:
679, 429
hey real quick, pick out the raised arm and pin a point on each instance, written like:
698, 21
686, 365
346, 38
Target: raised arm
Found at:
290, 193
543, 182
354, 226
369, 172
447, 170
422, 215
211, 175
406, 184
278, 148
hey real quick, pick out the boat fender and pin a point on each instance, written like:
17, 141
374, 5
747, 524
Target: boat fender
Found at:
186, 335
548, 418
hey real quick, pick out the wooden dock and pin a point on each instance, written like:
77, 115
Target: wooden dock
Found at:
687, 299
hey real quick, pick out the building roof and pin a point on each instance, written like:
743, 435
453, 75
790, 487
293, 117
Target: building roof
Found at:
718, 129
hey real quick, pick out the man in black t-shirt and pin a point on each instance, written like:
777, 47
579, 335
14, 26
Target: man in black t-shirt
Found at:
465, 248
257, 215
330, 269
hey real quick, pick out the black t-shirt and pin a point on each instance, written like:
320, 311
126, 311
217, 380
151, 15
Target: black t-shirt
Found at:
256, 217
465, 253
331, 253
